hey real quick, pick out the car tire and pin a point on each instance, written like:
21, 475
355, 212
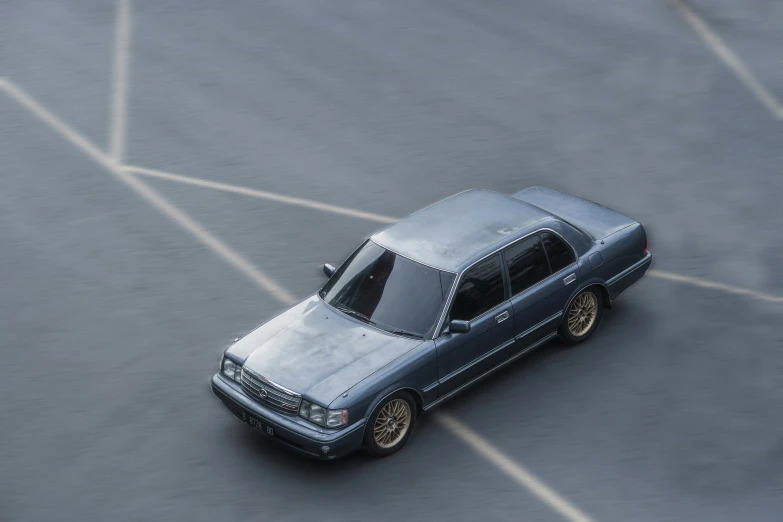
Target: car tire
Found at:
390, 425
582, 316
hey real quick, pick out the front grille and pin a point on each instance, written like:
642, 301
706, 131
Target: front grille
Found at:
266, 392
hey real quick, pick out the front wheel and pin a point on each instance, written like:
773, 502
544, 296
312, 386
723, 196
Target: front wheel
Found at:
390, 425
582, 317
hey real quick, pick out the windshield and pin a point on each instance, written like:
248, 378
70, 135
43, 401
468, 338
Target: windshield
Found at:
389, 291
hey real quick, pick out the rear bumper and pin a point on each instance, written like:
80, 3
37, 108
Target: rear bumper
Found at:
321, 444
619, 283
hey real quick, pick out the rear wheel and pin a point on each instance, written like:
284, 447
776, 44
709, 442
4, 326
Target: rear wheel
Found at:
582, 317
390, 425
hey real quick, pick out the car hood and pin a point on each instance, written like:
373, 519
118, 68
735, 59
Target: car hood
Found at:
313, 350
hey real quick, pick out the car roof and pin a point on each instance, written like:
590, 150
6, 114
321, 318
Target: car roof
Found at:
454, 232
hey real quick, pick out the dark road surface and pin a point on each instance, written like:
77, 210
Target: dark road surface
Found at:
112, 317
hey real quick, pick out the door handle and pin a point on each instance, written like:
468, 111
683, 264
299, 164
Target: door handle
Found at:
502, 317
567, 280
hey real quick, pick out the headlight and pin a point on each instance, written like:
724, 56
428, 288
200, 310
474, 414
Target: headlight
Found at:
231, 369
322, 416
336, 418
317, 414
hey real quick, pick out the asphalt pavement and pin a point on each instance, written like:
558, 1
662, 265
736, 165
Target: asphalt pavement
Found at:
112, 317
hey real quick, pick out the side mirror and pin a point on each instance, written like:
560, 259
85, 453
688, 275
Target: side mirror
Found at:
457, 326
329, 270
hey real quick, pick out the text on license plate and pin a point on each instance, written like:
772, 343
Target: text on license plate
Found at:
257, 424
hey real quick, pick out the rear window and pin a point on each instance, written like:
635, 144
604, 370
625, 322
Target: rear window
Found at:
527, 264
560, 254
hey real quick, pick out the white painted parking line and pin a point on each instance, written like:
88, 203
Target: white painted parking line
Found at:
729, 58
262, 194
178, 216
513, 469
120, 88
379, 218
711, 285
55, 123
517, 472
113, 163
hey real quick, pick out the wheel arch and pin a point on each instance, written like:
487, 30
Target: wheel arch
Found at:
607, 302
418, 398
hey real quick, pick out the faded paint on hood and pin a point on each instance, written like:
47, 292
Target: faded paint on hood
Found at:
315, 351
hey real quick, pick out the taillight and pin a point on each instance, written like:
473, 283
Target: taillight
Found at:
645, 247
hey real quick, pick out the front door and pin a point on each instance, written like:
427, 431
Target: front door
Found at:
480, 299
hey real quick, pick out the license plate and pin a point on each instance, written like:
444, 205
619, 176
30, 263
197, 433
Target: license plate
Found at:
257, 424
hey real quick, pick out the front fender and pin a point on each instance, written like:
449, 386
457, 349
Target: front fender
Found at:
411, 372
410, 387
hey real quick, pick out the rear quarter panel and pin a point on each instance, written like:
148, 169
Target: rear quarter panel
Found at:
617, 252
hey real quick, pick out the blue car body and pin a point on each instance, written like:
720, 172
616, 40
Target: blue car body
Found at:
333, 357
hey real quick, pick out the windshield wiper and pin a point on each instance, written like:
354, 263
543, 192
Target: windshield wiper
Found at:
357, 315
406, 333
362, 317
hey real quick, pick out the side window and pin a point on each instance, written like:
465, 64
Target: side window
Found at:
480, 289
560, 254
527, 264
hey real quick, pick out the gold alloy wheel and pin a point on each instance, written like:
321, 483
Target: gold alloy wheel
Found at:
392, 423
582, 314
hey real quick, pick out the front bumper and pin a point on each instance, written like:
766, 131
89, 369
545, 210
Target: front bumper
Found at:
313, 442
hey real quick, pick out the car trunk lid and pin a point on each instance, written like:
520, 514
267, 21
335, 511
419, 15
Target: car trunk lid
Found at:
596, 220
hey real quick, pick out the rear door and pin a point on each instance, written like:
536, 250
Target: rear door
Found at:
480, 298
542, 271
